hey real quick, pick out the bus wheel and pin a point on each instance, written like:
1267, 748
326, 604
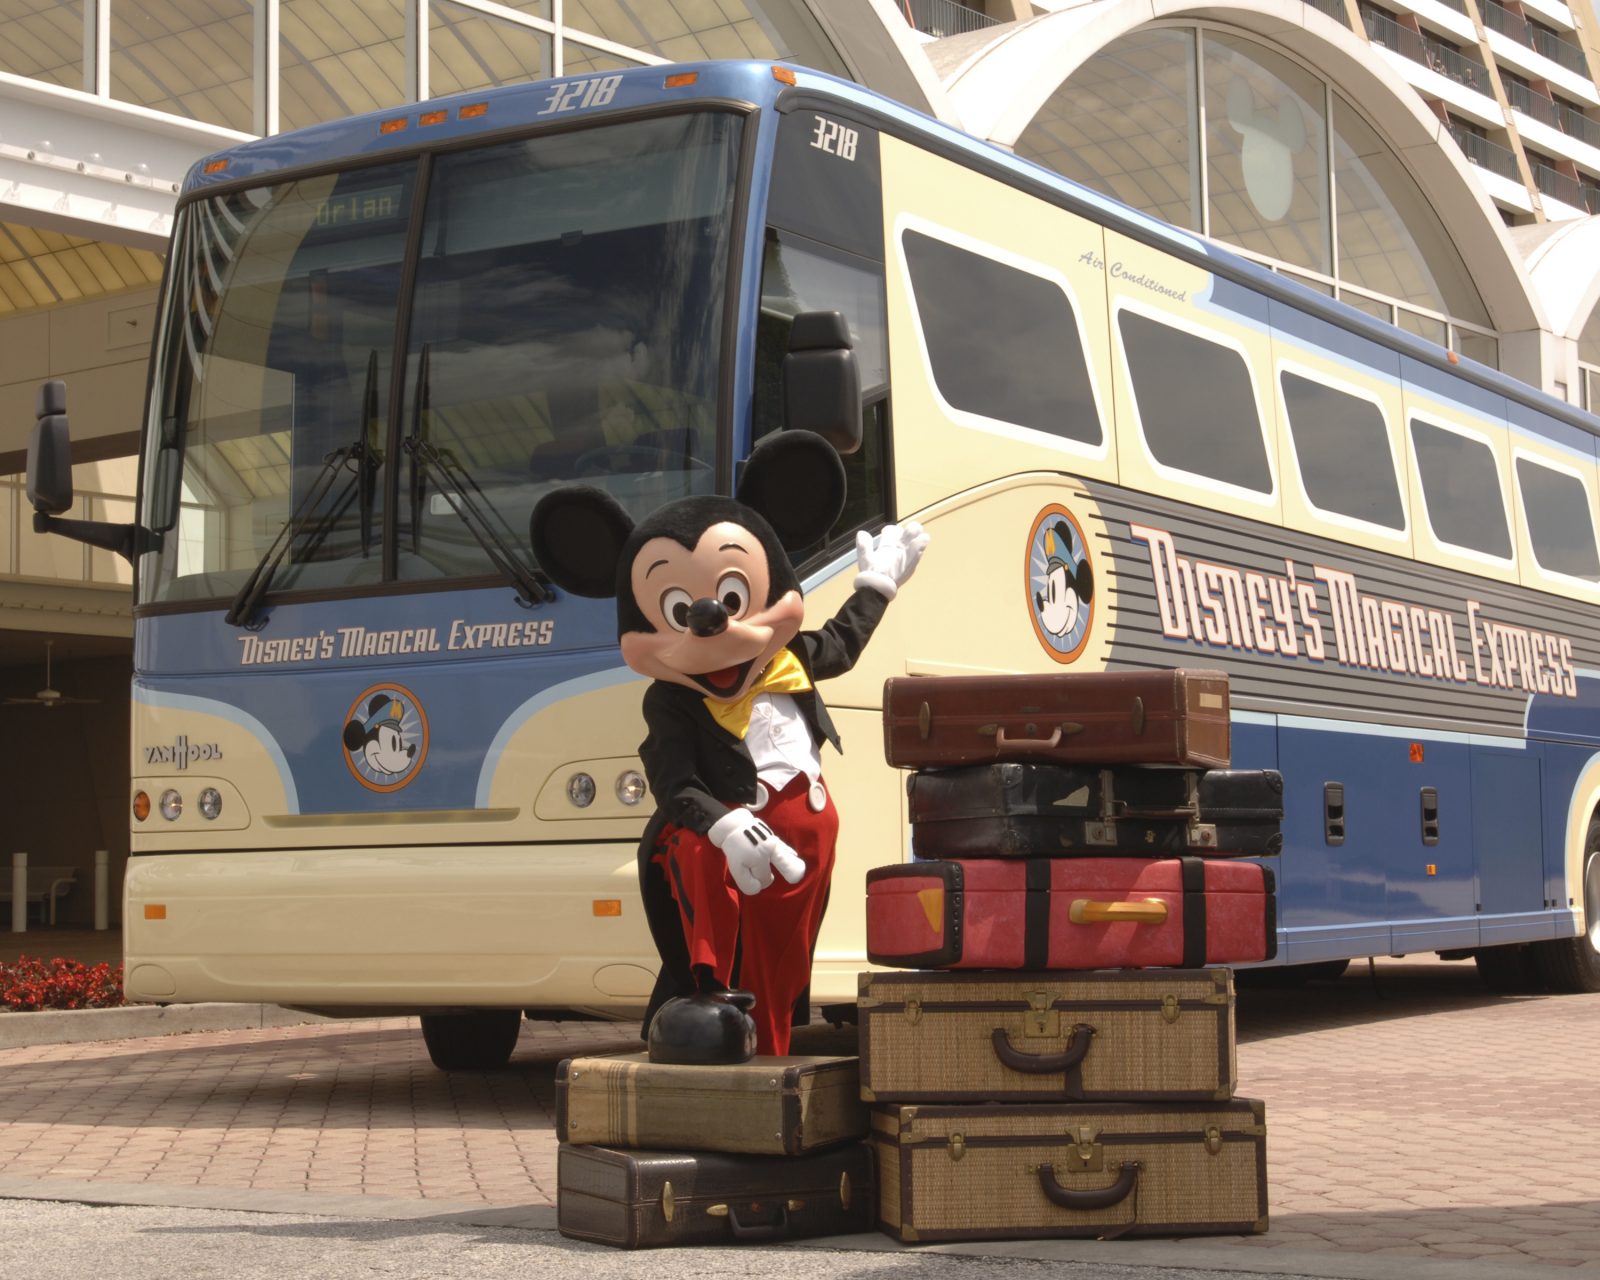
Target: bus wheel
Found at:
478, 1041
1509, 971
1573, 964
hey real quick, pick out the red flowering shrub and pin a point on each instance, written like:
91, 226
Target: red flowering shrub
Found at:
34, 983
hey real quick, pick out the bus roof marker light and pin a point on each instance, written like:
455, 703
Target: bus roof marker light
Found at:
1416, 753
473, 112
783, 75
1452, 357
393, 126
433, 117
155, 911
607, 907
682, 80
215, 166
1433, 868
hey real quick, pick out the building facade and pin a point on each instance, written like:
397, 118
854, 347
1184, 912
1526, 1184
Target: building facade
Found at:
1435, 163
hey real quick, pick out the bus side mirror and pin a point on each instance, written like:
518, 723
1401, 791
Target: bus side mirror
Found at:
821, 381
50, 452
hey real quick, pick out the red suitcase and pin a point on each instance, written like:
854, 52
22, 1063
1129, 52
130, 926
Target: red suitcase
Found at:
1078, 913
1100, 718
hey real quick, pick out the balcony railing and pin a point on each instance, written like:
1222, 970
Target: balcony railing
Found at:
1532, 104
1515, 27
944, 17
1591, 198
1578, 125
1556, 185
1431, 53
1488, 155
1333, 8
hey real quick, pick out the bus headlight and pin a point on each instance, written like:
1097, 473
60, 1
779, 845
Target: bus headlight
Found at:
581, 790
630, 787
171, 805
141, 805
210, 803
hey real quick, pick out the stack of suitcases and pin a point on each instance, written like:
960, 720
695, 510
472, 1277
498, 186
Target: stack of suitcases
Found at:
1059, 1059
665, 1154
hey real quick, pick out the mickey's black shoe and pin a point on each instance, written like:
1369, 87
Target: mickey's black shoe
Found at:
711, 1027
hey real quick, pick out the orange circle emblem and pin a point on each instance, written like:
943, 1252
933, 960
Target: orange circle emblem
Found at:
1060, 582
385, 737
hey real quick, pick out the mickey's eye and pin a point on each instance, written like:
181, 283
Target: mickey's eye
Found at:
734, 593
675, 602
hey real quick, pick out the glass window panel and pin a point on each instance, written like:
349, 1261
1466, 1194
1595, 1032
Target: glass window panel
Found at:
1482, 347
1024, 364
687, 30
1560, 523
1310, 282
48, 555
1342, 445
1126, 124
1390, 238
1266, 153
274, 385
339, 58
1591, 385
188, 57
1435, 331
1461, 485
11, 505
579, 59
1589, 339
108, 566
1374, 307
43, 39
470, 50
1196, 403
570, 310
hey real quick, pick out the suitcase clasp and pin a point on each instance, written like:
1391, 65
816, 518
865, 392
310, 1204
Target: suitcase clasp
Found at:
958, 1147
1042, 1018
913, 1010
1086, 1155
1170, 1012
844, 1190
1213, 1139
669, 1204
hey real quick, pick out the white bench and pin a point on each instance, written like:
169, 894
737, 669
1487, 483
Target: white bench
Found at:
45, 885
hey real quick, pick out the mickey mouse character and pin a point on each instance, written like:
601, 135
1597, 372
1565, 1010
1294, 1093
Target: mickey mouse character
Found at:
378, 737
735, 862
1066, 589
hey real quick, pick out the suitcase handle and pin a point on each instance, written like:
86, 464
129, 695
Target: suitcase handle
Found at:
1182, 813
1099, 1198
1001, 742
1043, 1064
1087, 911
758, 1230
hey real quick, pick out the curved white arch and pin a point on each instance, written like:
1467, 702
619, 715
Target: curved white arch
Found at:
1562, 270
998, 88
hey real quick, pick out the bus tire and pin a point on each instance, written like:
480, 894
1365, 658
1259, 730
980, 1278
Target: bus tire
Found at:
1572, 965
1509, 971
478, 1041
1287, 976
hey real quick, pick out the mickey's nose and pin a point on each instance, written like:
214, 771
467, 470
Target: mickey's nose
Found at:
707, 617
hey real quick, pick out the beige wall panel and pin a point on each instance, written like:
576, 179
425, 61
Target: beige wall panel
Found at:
90, 334
1148, 282
25, 348
1299, 512
938, 452
1418, 404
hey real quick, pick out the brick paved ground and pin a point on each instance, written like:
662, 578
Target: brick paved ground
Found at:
1408, 1113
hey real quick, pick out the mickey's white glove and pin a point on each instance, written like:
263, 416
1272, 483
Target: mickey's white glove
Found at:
753, 851
885, 563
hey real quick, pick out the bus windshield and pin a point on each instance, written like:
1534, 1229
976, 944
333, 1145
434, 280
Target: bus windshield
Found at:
563, 323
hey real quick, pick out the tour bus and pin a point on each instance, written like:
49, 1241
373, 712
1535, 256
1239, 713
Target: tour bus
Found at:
381, 765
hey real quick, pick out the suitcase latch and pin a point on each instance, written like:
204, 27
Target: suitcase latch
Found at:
669, 1204
913, 1010
1170, 1011
1213, 1139
1086, 1154
1042, 1018
957, 1147
844, 1190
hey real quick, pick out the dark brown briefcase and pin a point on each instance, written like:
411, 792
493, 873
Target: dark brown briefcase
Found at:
1019, 810
640, 1199
1087, 1169
767, 1106
1114, 717
1107, 1035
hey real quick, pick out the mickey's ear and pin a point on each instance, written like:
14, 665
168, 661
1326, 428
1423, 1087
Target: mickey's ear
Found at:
577, 534
795, 479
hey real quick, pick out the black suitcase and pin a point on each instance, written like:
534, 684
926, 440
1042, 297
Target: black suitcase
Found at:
641, 1199
1041, 810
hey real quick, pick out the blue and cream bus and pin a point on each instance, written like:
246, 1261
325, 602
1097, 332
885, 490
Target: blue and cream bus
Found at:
380, 764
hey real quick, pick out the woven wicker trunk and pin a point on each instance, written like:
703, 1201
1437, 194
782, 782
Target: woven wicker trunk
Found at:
1121, 1034
767, 1106
1092, 1169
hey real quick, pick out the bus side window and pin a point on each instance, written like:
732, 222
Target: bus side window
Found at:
1023, 363
1195, 402
1461, 489
1341, 443
1560, 527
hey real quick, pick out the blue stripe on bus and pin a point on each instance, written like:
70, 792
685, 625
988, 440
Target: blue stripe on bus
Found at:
166, 701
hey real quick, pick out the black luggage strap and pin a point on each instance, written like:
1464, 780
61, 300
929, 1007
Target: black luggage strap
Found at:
1194, 912
1036, 915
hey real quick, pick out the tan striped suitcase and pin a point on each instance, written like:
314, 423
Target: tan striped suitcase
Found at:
1089, 1169
1098, 1035
767, 1106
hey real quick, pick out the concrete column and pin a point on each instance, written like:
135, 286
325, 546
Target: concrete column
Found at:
19, 893
102, 889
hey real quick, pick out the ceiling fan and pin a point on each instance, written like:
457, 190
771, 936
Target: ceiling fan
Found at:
47, 696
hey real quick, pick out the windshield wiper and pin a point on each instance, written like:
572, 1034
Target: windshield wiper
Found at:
362, 459
465, 496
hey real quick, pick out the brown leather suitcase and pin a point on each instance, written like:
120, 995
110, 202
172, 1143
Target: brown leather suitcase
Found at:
641, 1199
1118, 1035
767, 1106
1114, 717
1083, 1169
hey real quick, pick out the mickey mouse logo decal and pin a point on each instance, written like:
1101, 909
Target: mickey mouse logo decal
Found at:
385, 737
1060, 583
